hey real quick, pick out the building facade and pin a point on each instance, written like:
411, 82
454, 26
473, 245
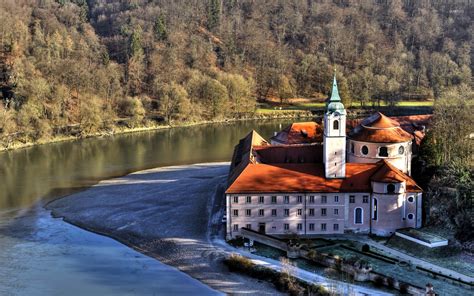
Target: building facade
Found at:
356, 183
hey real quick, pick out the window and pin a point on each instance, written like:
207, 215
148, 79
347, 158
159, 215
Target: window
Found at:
248, 212
335, 125
335, 227
236, 213
236, 227
311, 212
352, 198
383, 151
336, 198
300, 199
274, 199
248, 199
311, 226
401, 150
410, 199
336, 211
323, 212
358, 216
299, 226
261, 212
286, 199
365, 150
236, 199
261, 199
323, 227
324, 199
286, 226
374, 210
300, 212
248, 226
352, 147
365, 199
390, 188
311, 199
287, 212
274, 212
410, 216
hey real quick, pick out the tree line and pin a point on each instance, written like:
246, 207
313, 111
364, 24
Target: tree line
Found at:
89, 65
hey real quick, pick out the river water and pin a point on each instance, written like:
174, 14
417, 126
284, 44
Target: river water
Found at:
40, 255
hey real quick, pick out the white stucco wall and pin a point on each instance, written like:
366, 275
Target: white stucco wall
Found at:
401, 161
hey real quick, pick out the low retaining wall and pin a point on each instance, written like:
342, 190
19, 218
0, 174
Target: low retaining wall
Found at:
356, 269
422, 242
264, 239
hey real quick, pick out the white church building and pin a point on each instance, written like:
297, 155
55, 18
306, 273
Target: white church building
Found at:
309, 180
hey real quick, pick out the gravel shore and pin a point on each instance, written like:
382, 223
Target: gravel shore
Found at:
168, 213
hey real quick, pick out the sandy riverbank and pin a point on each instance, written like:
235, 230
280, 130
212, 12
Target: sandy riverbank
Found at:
167, 213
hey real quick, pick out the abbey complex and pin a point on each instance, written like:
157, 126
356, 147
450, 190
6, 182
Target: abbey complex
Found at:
347, 176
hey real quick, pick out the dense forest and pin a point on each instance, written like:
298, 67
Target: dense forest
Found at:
90, 65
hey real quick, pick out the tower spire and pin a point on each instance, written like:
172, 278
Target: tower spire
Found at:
335, 92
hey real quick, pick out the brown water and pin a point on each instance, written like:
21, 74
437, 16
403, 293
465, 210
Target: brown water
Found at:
48, 171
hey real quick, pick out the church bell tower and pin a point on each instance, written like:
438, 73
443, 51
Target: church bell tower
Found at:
334, 142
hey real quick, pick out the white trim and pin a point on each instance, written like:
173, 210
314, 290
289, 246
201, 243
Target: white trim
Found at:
368, 150
361, 216
372, 209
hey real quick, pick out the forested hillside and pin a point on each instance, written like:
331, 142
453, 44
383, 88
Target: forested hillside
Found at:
90, 65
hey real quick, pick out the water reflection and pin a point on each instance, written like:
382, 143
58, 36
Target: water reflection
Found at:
45, 256
47, 171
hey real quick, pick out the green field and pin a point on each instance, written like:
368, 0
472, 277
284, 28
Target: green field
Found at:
266, 108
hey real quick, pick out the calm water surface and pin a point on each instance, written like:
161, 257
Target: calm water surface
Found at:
40, 255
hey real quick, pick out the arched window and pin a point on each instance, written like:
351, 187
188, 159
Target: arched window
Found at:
374, 209
335, 125
358, 215
383, 151
390, 188
401, 150
365, 150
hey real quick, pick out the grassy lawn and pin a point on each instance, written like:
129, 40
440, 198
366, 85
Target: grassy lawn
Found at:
267, 108
403, 273
448, 256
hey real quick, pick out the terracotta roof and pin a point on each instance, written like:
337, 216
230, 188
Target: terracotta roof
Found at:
379, 128
289, 153
388, 173
285, 178
243, 153
300, 133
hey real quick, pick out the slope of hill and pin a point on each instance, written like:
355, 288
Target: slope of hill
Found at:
84, 66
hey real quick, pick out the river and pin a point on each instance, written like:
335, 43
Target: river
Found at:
40, 255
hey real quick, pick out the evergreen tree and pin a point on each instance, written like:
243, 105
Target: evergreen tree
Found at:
214, 14
161, 33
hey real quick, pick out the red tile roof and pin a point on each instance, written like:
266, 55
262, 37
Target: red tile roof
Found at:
289, 153
379, 128
300, 133
285, 178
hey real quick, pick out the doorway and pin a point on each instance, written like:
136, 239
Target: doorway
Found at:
261, 228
